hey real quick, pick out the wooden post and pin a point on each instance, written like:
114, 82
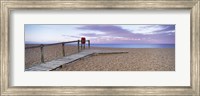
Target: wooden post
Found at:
63, 49
78, 45
42, 53
81, 46
88, 43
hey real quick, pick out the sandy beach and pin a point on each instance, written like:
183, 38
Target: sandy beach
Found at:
137, 59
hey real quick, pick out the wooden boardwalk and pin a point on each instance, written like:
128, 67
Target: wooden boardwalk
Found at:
51, 65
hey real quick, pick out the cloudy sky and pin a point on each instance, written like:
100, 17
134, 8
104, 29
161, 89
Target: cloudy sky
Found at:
101, 33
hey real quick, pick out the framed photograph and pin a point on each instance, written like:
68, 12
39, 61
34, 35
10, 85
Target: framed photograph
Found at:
100, 47
118, 47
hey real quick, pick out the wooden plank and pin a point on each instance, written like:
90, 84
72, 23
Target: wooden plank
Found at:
33, 47
111, 52
38, 68
50, 44
47, 66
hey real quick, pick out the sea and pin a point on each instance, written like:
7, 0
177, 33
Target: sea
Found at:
123, 45
134, 45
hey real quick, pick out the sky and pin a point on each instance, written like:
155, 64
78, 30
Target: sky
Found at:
100, 33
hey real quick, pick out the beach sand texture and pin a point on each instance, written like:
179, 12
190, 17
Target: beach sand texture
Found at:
33, 55
137, 59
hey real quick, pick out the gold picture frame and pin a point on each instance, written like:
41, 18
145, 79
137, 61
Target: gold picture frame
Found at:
6, 6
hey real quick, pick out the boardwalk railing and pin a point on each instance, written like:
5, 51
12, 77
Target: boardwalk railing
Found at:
41, 46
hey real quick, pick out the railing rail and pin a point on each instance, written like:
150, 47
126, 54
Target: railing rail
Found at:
51, 44
41, 46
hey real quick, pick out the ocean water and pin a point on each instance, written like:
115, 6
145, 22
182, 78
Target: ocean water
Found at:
134, 45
